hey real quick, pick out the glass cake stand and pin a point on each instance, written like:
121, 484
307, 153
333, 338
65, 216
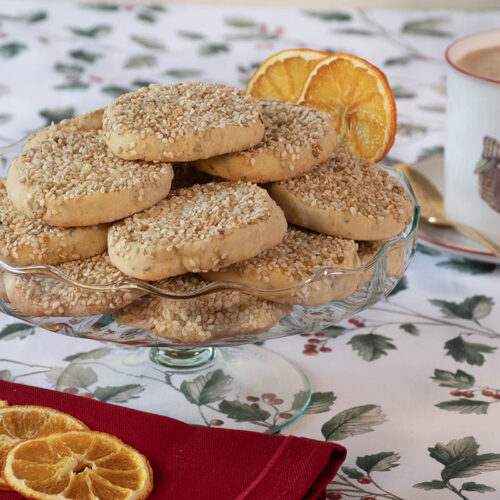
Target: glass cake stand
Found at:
234, 376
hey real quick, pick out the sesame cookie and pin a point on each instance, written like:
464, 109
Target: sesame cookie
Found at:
3, 293
295, 259
44, 296
200, 228
296, 139
71, 179
27, 242
346, 196
89, 121
210, 317
182, 122
394, 263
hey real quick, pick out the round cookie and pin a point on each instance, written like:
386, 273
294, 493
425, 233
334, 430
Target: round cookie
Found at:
200, 228
296, 139
211, 317
394, 264
45, 296
295, 259
89, 121
27, 242
346, 196
3, 293
71, 179
182, 122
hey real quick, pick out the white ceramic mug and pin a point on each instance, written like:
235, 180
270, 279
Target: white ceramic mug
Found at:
472, 151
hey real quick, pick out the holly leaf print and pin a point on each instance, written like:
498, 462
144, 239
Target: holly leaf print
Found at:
430, 152
94, 32
191, 35
213, 48
142, 83
471, 466
382, 461
141, 61
243, 412
105, 7
118, 394
5, 375
456, 449
465, 406
208, 388
148, 42
16, 331
146, 16
352, 473
371, 346
115, 90
401, 92
472, 308
480, 488
401, 285
29, 18
68, 69
426, 27
468, 266
354, 31
430, 485
334, 331
98, 353
333, 15
472, 353
72, 86
77, 376
410, 129
352, 422
320, 402
182, 73
12, 49
83, 55
409, 328
56, 115
239, 22
400, 61
457, 380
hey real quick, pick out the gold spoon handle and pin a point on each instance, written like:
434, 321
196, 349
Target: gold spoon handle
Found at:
485, 241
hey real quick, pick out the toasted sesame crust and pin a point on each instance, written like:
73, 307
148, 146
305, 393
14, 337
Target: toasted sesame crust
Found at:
214, 316
182, 122
296, 139
300, 254
200, 228
43, 296
394, 263
26, 242
71, 179
89, 121
348, 197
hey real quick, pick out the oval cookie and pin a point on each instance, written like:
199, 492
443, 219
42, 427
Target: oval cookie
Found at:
88, 121
71, 179
296, 139
200, 228
44, 296
348, 197
27, 242
182, 122
295, 259
214, 316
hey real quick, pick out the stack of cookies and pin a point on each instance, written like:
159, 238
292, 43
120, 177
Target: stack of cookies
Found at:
189, 183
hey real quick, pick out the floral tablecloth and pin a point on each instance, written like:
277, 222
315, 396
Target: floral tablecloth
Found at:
410, 386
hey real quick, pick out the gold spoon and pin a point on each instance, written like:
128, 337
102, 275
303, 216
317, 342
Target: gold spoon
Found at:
432, 208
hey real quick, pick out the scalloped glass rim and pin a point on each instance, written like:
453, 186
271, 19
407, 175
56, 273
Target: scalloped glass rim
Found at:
129, 284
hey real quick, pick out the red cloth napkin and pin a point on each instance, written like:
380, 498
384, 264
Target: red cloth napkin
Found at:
199, 462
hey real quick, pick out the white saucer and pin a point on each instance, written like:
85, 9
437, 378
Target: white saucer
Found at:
444, 238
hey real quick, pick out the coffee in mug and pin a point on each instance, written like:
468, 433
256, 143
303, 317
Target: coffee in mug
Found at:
472, 151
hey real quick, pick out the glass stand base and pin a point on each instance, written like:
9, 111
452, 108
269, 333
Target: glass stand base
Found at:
245, 387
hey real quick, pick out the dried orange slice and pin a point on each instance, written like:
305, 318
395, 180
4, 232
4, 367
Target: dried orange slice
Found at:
359, 97
24, 422
83, 465
283, 75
